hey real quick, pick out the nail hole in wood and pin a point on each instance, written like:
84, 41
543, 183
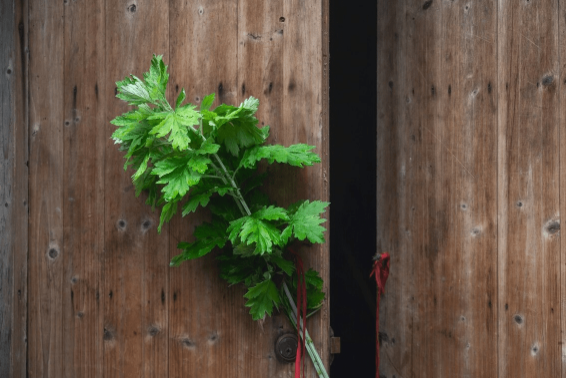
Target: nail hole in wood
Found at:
53, 253
518, 319
153, 330
547, 80
108, 335
553, 227
281, 19
187, 343
146, 225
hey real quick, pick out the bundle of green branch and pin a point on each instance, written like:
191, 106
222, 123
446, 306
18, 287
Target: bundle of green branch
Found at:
185, 157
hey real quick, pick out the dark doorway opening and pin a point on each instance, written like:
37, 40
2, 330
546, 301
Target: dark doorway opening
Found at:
353, 120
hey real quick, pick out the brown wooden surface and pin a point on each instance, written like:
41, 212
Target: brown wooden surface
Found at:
46, 245
13, 188
469, 114
102, 298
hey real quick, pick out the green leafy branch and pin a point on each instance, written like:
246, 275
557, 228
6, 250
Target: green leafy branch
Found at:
189, 157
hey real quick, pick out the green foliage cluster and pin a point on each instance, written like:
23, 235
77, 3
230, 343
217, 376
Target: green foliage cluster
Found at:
186, 157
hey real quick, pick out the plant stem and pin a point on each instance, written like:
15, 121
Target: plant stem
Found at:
233, 183
317, 362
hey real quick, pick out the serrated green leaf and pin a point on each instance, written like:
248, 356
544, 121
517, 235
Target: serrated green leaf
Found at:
251, 104
257, 229
285, 265
297, 155
179, 134
235, 228
314, 284
194, 201
312, 277
169, 209
238, 269
262, 233
286, 234
208, 147
261, 299
180, 98
142, 168
271, 213
209, 236
133, 91
176, 175
306, 221
156, 78
207, 102
199, 163
188, 115
236, 127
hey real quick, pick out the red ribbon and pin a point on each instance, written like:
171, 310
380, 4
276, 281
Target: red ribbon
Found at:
301, 313
381, 271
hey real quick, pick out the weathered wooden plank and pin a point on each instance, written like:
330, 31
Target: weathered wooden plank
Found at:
20, 192
261, 35
136, 260
13, 189
83, 191
528, 164
208, 334
436, 194
465, 141
46, 248
7, 82
305, 120
395, 164
560, 88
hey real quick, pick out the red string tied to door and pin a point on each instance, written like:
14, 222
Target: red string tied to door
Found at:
381, 271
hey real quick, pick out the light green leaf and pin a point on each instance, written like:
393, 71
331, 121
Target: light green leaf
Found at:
133, 91
207, 102
306, 221
180, 98
271, 213
156, 79
297, 155
199, 163
208, 147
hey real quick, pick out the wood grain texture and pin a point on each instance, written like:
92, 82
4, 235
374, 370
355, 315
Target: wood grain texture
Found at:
46, 177
13, 189
394, 165
20, 192
436, 190
84, 141
468, 202
135, 256
528, 161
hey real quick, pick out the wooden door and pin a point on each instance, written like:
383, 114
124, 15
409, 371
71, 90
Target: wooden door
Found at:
91, 290
471, 157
